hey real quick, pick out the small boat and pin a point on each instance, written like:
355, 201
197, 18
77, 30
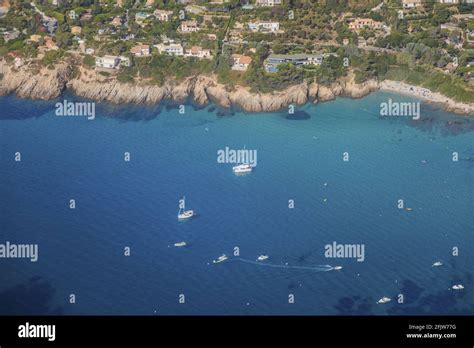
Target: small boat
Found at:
337, 268
180, 244
408, 209
184, 214
457, 287
437, 264
221, 258
262, 258
384, 300
242, 168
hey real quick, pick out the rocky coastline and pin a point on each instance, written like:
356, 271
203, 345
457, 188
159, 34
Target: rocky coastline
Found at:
45, 84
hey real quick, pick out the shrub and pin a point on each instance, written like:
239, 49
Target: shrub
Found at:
88, 61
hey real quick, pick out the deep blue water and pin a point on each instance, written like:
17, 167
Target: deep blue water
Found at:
134, 204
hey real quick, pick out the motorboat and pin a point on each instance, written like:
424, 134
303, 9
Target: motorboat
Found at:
242, 168
221, 258
384, 300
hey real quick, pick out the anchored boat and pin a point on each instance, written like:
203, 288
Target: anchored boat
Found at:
184, 214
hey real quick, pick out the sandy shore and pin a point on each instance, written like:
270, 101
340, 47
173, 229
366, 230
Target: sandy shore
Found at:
427, 95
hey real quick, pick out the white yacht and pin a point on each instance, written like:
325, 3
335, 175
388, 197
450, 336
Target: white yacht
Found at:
384, 300
337, 268
242, 168
184, 214
437, 264
221, 258
180, 244
262, 257
457, 287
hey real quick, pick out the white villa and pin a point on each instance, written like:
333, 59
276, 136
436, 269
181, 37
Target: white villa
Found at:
265, 26
171, 49
111, 62
198, 52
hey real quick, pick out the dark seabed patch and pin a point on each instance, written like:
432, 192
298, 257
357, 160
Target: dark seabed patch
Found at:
298, 116
355, 305
449, 302
447, 125
127, 114
33, 298
224, 112
188, 103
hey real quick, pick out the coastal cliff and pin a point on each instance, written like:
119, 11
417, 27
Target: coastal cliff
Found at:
203, 89
46, 84
28, 82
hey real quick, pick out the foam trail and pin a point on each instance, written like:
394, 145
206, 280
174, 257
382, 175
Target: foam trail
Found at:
319, 268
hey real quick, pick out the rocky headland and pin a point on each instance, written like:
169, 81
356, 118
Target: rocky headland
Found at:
29, 82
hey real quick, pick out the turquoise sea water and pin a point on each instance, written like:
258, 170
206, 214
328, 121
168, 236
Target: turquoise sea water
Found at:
134, 204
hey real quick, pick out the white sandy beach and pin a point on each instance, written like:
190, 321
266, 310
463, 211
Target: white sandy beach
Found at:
427, 95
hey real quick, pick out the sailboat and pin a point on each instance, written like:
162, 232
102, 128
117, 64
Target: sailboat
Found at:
242, 168
183, 213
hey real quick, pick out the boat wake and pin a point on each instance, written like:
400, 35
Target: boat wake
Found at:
317, 268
